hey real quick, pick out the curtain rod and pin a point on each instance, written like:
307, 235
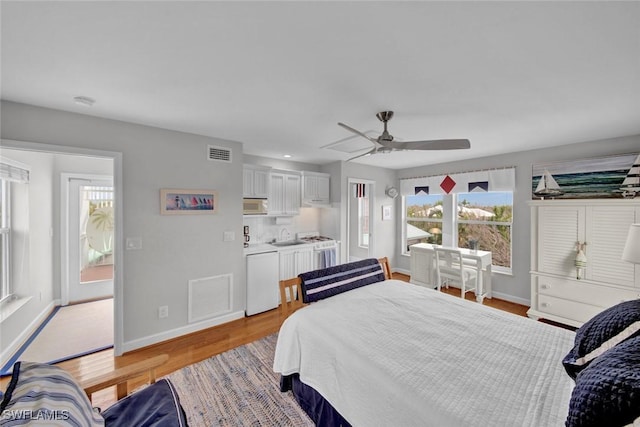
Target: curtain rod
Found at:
455, 173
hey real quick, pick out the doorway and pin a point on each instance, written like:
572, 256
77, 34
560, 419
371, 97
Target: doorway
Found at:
360, 215
78, 159
87, 203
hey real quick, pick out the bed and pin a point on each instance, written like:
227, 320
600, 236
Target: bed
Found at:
393, 353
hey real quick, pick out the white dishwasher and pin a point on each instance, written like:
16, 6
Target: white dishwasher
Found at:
263, 292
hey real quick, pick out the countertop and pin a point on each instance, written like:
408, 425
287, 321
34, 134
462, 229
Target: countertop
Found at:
260, 248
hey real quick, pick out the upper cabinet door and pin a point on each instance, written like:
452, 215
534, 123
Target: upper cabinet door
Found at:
292, 194
261, 183
284, 197
315, 188
255, 182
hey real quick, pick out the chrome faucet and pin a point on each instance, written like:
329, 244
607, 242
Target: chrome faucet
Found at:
283, 232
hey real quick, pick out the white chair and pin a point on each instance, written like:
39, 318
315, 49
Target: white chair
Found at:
451, 266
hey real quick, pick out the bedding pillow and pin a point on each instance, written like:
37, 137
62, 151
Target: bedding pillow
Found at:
41, 394
607, 392
603, 332
157, 405
327, 282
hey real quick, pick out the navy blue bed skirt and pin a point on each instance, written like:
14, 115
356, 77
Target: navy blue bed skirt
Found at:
319, 410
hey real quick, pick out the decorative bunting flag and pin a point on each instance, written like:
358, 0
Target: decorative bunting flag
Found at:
478, 187
422, 191
447, 184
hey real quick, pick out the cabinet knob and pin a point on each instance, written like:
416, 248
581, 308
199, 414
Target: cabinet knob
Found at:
545, 287
545, 304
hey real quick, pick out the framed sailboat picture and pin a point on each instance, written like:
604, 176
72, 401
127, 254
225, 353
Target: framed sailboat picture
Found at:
595, 178
188, 202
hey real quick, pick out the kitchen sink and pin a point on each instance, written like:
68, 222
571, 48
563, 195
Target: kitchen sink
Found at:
289, 243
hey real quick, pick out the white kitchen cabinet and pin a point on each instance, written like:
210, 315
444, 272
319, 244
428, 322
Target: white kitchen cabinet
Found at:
315, 188
556, 228
284, 194
255, 181
295, 261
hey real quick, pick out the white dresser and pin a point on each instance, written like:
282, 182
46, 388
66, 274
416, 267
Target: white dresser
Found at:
557, 226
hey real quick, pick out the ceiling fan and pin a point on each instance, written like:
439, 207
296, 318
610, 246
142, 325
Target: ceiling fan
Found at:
385, 143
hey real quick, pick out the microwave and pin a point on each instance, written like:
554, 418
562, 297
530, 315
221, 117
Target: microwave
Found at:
254, 206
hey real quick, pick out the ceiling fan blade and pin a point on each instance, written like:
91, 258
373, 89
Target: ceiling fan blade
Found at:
357, 132
373, 150
435, 144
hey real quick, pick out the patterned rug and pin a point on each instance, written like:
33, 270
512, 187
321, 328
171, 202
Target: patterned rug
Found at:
237, 388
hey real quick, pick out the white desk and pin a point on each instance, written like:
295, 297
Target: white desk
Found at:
423, 267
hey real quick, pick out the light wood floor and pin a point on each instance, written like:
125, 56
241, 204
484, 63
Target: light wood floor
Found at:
201, 345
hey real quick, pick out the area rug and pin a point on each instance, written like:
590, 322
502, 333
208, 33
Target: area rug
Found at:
237, 388
68, 332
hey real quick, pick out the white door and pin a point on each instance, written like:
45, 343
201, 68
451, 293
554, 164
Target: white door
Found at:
90, 239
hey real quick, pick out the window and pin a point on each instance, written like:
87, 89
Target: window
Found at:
363, 222
13, 233
423, 219
5, 237
485, 219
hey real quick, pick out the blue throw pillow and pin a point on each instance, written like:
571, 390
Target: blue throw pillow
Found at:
603, 332
607, 392
326, 282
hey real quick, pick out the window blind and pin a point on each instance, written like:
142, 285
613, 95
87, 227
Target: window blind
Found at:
12, 172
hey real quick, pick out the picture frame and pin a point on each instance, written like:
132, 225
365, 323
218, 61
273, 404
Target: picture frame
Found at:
188, 202
603, 177
386, 212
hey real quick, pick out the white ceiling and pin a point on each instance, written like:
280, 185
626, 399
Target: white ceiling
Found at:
278, 76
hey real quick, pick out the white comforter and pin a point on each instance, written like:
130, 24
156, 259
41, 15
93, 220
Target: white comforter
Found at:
397, 354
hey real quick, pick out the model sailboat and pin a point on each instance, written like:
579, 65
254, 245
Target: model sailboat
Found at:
547, 187
631, 184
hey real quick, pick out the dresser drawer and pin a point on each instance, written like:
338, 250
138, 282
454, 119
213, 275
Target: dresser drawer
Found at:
581, 292
568, 309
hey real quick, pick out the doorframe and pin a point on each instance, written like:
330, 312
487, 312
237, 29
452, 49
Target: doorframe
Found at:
372, 199
118, 249
65, 247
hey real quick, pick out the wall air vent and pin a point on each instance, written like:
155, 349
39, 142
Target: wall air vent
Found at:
220, 154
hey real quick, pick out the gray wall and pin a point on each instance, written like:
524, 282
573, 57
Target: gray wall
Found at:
516, 287
176, 249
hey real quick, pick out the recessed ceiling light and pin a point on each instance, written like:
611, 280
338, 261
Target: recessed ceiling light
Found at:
85, 101
287, 156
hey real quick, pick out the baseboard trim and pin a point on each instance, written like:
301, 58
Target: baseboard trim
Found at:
175, 333
26, 333
499, 295
511, 298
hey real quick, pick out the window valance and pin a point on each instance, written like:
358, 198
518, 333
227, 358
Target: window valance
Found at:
13, 171
463, 182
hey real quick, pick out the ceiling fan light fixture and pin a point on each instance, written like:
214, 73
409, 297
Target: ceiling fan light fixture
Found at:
385, 143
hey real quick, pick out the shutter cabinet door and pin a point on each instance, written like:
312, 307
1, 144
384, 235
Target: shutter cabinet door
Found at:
607, 228
560, 228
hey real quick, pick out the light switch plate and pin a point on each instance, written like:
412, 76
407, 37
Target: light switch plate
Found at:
133, 243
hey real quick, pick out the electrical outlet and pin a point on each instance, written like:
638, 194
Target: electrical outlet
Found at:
163, 311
